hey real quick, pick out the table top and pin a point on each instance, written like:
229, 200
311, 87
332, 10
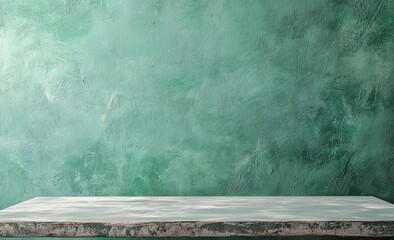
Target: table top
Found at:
208, 216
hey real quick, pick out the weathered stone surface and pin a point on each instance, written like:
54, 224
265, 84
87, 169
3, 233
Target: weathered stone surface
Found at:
198, 217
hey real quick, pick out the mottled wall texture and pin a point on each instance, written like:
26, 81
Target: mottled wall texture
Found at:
207, 97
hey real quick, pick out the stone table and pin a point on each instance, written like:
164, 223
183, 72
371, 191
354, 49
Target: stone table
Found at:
211, 216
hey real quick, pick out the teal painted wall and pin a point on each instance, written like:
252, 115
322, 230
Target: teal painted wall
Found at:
210, 97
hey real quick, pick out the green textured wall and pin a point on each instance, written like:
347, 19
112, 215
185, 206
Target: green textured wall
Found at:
165, 97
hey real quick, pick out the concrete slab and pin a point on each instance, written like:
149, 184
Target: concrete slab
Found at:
211, 216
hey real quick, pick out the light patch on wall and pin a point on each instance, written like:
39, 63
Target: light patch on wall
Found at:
113, 99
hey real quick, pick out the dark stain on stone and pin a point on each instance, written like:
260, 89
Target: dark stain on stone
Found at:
100, 229
331, 226
128, 233
132, 231
254, 228
274, 228
314, 225
224, 227
379, 228
162, 227
21, 229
